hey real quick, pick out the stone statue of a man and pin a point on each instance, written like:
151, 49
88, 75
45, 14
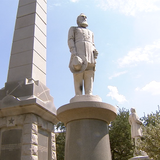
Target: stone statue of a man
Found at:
83, 55
136, 132
135, 122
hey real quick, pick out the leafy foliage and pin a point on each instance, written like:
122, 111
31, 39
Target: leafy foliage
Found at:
150, 142
120, 136
60, 140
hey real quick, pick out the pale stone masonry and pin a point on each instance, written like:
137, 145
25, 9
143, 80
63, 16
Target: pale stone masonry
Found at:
26, 82
27, 111
26, 130
28, 55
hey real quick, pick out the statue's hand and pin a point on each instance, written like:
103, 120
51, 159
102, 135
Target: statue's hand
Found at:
95, 52
73, 51
73, 54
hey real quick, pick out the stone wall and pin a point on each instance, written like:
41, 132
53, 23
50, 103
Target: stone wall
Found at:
27, 137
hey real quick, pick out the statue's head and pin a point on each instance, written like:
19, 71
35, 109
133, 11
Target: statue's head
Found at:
133, 110
82, 20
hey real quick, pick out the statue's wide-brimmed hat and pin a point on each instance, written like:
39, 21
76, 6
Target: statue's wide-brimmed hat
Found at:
78, 64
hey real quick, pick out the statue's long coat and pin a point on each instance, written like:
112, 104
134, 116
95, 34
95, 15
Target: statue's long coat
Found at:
81, 43
136, 130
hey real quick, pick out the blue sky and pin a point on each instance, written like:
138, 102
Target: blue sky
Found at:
127, 37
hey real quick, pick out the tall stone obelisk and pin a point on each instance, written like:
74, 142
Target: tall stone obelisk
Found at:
27, 112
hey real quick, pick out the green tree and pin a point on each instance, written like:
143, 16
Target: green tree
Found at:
120, 136
150, 142
60, 140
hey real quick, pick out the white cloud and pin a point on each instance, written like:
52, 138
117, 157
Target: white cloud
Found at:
117, 74
115, 95
74, 1
152, 87
149, 54
129, 7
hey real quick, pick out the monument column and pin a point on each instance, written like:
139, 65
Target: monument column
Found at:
87, 134
28, 54
86, 117
27, 111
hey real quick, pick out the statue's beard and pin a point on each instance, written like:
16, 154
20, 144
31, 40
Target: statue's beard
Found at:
84, 24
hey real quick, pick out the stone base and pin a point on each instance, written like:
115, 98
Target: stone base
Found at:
87, 139
86, 110
140, 158
87, 134
27, 118
27, 137
28, 96
83, 98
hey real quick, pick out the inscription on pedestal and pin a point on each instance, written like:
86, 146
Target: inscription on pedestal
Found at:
42, 145
11, 145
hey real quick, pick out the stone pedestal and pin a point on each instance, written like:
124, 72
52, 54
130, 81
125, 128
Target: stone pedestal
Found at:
27, 118
27, 137
87, 135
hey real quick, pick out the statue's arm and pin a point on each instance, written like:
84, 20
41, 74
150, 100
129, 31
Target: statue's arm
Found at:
71, 40
129, 120
137, 120
95, 52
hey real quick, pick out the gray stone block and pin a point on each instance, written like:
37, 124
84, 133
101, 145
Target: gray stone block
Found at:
42, 3
37, 73
24, 32
3, 122
30, 149
27, 9
11, 144
23, 45
30, 139
9, 101
32, 66
27, 96
25, 21
40, 36
24, 2
19, 73
39, 48
40, 24
43, 140
21, 59
30, 128
30, 31
30, 118
41, 13
29, 157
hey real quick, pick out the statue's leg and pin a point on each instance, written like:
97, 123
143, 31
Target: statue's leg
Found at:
88, 81
78, 83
